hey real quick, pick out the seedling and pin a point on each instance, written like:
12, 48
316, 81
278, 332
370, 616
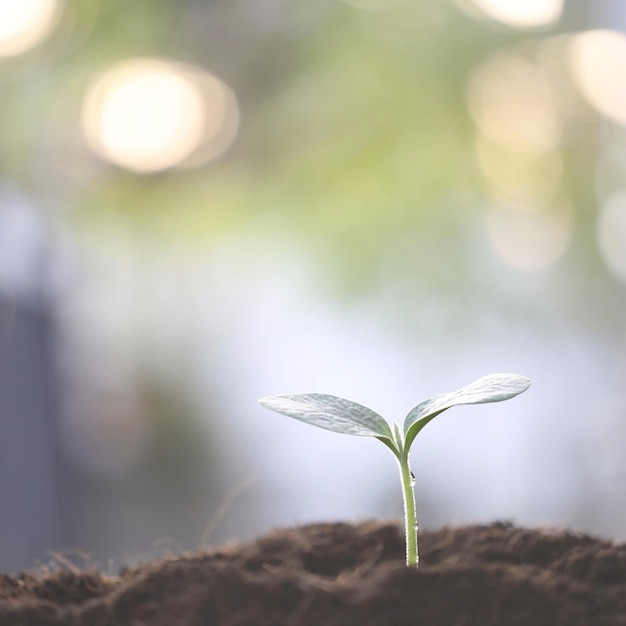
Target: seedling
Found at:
347, 417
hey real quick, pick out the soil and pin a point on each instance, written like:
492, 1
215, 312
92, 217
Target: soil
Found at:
344, 575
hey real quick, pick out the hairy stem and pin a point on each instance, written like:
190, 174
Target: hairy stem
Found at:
410, 518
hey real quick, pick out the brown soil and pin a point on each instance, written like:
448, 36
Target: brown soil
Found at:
344, 575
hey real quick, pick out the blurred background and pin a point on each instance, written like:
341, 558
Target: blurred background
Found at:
206, 202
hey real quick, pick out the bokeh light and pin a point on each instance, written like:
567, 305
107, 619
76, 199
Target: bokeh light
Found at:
529, 14
530, 181
597, 59
148, 115
611, 233
513, 103
528, 241
25, 23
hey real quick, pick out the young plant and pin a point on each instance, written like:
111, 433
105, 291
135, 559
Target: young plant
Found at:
347, 417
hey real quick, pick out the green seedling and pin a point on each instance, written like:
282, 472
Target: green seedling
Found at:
347, 417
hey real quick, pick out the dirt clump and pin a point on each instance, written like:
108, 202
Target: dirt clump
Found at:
344, 575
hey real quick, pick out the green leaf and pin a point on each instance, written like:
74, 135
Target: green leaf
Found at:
492, 388
332, 413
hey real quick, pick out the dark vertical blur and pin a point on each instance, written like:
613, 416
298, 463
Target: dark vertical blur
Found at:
29, 516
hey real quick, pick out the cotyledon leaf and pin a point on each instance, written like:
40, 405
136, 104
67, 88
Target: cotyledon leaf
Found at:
332, 413
491, 388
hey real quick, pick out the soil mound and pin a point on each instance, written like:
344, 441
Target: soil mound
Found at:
345, 575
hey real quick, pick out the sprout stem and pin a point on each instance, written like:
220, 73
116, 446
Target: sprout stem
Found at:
410, 517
